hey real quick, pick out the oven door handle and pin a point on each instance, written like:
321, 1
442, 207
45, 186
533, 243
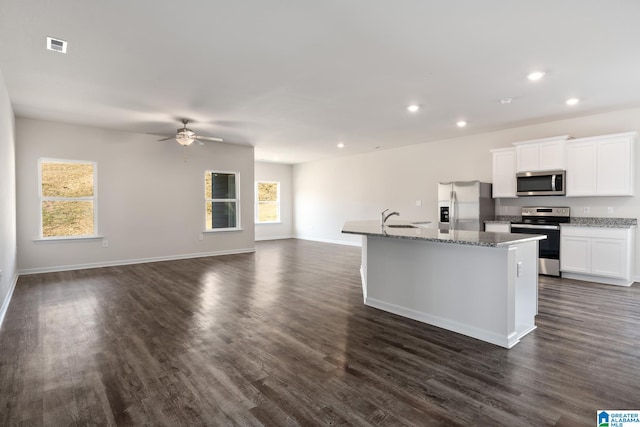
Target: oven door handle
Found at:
540, 227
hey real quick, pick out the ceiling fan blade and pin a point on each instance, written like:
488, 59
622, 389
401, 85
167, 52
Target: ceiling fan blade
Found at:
166, 139
209, 138
198, 142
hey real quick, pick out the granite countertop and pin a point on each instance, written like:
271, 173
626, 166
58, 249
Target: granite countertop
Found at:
577, 221
461, 237
602, 222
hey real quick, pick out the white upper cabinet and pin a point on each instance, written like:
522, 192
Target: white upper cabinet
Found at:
528, 157
581, 168
504, 172
601, 165
541, 154
616, 166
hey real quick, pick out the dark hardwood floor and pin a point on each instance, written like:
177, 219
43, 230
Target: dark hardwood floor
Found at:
281, 337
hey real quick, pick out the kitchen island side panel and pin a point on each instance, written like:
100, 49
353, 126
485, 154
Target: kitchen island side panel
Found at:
464, 288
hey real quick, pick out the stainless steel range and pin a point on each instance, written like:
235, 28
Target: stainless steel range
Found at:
544, 220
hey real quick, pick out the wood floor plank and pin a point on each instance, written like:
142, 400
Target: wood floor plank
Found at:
282, 338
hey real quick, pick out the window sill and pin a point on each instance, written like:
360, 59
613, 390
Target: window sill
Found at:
67, 239
268, 222
221, 230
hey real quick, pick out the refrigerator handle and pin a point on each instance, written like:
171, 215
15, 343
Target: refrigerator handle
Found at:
452, 209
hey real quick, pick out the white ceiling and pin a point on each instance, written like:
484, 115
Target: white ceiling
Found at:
295, 77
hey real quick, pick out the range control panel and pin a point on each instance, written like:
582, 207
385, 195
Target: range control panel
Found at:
545, 211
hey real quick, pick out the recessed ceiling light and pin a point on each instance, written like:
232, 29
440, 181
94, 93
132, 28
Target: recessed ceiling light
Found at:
536, 75
413, 108
506, 101
340, 145
572, 101
56, 45
461, 123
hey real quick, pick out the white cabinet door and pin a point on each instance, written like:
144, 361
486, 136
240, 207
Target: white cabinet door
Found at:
575, 254
528, 157
551, 156
581, 168
615, 167
504, 172
608, 257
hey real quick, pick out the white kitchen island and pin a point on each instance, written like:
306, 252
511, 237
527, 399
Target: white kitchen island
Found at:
483, 285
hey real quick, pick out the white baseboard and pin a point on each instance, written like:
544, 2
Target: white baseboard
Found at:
7, 299
597, 279
132, 261
261, 239
506, 341
335, 242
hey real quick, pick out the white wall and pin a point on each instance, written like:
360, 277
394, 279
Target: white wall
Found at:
150, 196
284, 175
8, 251
329, 192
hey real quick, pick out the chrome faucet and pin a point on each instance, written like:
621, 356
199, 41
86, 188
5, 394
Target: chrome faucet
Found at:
384, 218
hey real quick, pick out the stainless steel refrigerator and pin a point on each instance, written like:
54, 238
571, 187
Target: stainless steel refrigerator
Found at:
464, 205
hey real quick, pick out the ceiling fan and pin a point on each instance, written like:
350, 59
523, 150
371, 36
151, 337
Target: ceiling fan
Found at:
186, 136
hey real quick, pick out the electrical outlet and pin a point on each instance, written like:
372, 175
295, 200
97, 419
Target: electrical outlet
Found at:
418, 202
201, 236
105, 243
610, 209
587, 209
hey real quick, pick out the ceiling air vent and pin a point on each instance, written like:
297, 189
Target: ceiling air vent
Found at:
56, 45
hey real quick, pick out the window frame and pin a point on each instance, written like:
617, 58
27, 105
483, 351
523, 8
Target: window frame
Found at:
42, 199
238, 226
277, 203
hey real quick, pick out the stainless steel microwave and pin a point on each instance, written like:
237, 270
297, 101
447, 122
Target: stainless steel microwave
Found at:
544, 183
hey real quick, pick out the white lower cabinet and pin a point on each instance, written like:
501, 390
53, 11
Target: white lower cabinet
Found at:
597, 254
575, 254
609, 257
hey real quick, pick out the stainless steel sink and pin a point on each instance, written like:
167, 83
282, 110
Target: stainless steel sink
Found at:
401, 226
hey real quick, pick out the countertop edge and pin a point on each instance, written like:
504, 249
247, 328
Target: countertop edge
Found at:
390, 234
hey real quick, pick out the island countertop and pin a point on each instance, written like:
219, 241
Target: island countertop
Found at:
462, 237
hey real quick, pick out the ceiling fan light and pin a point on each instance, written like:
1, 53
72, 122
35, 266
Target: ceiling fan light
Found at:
185, 137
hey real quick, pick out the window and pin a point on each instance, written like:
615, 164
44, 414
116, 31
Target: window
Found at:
222, 200
67, 198
267, 202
